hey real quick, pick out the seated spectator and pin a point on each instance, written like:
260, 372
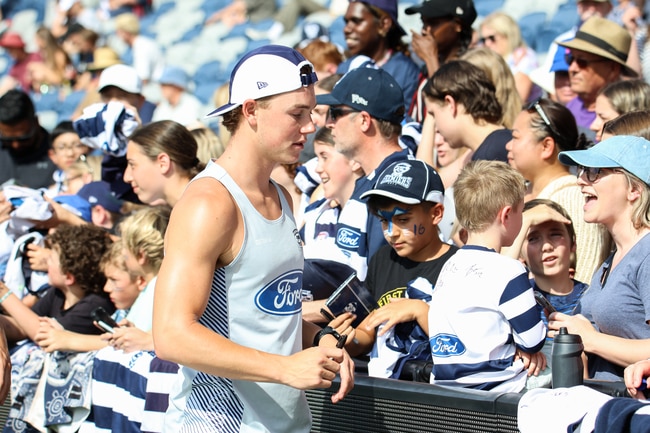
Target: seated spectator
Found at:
125, 367
19, 75
619, 98
76, 286
325, 56
88, 80
79, 43
592, 67
374, 38
407, 199
614, 177
468, 114
162, 160
635, 123
484, 327
208, 143
241, 11
148, 59
547, 245
56, 68
123, 288
326, 265
502, 34
66, 150
446, 34
106, 209
541, 132
177, 103
25, 144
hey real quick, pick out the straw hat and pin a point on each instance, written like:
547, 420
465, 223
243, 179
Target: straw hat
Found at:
103, 57
603, 38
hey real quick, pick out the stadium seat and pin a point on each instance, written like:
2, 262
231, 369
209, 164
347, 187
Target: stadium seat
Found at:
486, 7
545, 38
530, 26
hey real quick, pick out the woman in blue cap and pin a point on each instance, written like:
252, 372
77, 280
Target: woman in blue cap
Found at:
614, 176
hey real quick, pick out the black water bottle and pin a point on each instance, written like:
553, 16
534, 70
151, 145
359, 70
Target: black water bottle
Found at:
566, 368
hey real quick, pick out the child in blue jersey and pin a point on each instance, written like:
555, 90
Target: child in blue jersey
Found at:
547, 245
484, 325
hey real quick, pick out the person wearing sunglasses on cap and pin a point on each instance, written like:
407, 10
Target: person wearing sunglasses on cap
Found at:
541, 131
25, 144
614, 177
596, 56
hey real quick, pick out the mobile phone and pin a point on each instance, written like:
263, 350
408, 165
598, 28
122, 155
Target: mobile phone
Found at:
541, 300
104, 320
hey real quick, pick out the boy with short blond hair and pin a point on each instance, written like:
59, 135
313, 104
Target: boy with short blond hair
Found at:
484, 326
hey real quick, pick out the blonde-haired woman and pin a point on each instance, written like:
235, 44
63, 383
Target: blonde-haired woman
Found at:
498, 71
501, 33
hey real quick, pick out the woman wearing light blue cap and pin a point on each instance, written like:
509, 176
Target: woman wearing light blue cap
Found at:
614, 176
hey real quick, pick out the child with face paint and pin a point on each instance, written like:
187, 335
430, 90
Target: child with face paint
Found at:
407, 198
547, 245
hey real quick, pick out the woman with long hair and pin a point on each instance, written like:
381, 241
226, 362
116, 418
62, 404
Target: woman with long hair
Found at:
161, 160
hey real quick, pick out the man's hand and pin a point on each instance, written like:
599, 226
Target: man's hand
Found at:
634, 375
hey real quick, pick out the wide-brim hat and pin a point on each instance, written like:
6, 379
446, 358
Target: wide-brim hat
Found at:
103, 57
603, 38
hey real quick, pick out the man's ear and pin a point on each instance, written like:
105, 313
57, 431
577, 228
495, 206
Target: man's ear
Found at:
249, 111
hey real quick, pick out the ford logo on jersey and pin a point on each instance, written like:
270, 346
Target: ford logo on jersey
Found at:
446, 345
348, 238
282, 296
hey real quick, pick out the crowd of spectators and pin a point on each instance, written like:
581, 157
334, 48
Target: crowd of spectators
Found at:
106, 117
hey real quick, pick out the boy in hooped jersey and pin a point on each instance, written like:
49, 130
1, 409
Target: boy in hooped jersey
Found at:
484, 326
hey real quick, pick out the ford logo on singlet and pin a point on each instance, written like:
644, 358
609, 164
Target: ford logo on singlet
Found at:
446, 345
282, 296
348, 238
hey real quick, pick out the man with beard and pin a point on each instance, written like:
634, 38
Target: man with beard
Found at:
23, 155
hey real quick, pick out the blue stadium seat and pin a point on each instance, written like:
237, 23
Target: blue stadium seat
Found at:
545, 38
530, 25
486, 7
565, 18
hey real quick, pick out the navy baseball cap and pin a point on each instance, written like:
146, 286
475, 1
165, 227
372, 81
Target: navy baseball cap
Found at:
368, 89
410, 182
625, 151
266, 71
75, 204
99, 193
388, 6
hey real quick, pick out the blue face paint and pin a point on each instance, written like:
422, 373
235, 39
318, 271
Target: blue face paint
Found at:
388, 216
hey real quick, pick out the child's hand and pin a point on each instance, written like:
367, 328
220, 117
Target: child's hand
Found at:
540, 214
49, 323
131, 339
37, 256
51, 339
399, 310
535, 363
634, 374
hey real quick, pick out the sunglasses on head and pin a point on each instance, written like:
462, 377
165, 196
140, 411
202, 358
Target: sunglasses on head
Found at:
582, 63
535, 105
337, 112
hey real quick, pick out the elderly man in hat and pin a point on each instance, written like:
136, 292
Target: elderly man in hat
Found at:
18, 75
596, 56
177, 103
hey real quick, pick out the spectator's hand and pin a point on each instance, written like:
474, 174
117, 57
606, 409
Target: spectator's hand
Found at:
425, 47
541, 214
37, 257
634, 375
631, 18
131, 339
398, 310
343, 325
51, 336
535, 363
60, 215
577, 324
